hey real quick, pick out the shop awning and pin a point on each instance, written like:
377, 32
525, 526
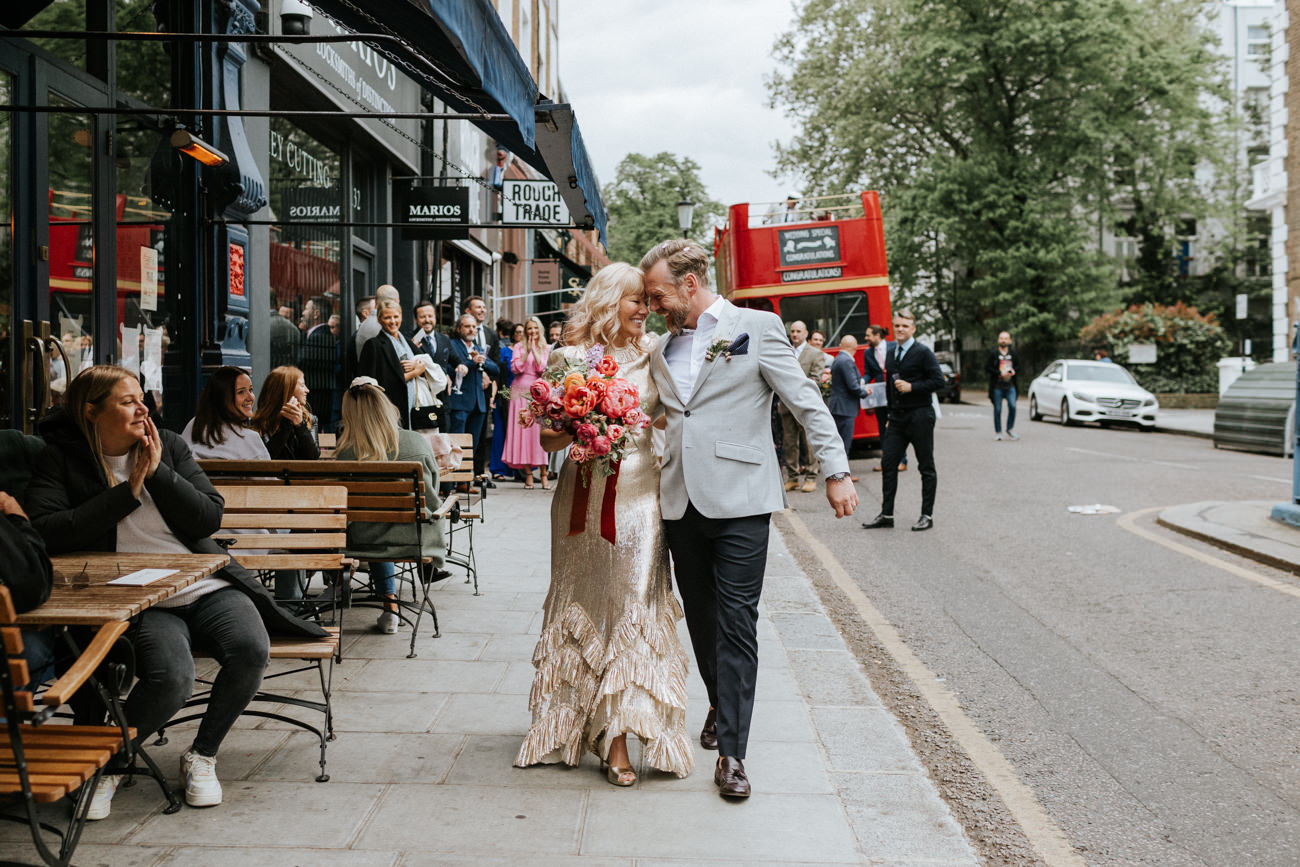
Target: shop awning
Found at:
560, 141
468, 42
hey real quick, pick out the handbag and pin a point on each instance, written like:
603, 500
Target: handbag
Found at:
428, 410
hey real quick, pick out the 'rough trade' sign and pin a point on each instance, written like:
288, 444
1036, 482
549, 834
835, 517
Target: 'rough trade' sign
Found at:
534, 203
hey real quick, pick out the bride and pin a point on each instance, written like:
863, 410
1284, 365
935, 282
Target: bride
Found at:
609, 662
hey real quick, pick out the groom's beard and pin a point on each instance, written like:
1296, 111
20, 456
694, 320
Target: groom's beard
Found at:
675, 313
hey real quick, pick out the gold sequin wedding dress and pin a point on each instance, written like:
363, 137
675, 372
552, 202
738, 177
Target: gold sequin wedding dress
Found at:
609, 661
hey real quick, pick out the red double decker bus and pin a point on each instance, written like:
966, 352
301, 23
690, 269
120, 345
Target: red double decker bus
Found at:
820, 261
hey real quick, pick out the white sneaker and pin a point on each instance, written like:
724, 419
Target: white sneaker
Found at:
202, 788
997, 438
101, 802
387, 622
1013, 436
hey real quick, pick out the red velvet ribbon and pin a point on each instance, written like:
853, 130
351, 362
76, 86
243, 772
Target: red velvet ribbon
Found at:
578, 516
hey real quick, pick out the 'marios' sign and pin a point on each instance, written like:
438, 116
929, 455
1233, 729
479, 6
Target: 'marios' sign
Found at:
435, 214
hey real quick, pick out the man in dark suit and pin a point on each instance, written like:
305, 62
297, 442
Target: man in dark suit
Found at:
319, 351
873, 364
913, 375
427, 338
846, 391
487, 341
467, 404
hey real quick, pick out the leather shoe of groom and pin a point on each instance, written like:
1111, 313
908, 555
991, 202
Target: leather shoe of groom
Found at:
729, 776
709, 734
925, 522
880, 522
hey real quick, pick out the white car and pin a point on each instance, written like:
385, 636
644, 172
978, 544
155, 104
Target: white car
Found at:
1076, 391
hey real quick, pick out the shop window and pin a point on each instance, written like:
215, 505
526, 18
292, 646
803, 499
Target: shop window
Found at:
7, 323
72, 243
305, 256
145, 313
68, 15
143, 68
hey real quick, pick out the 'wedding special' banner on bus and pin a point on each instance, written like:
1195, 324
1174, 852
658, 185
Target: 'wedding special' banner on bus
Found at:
814, 245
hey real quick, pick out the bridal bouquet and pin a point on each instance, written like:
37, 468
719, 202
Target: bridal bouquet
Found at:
587, 399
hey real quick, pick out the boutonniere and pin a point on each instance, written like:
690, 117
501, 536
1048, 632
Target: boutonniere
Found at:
725, 348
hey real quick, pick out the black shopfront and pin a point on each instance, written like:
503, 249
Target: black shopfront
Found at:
119, 246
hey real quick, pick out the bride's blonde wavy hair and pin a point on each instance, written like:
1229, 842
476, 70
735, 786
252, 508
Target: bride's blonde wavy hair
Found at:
594, 318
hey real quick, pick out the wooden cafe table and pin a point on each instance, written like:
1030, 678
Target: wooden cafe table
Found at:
82, 595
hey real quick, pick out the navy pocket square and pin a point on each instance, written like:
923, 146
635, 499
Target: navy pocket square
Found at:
739, 346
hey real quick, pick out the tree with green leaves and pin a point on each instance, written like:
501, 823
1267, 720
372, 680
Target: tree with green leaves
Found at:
642, 204
1188, 343
996, 133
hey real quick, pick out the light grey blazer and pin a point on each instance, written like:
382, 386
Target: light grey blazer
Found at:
719, 453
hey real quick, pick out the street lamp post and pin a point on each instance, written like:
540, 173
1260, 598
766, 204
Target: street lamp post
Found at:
685, 211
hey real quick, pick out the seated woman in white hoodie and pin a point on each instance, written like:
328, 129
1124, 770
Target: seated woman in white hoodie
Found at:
219, 429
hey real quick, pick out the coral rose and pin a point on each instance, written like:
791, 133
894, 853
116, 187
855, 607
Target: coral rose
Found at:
633, 415
619, 398
615, 432
586, 432
607, 366
598, 387
601, 445
540, 391
579, 401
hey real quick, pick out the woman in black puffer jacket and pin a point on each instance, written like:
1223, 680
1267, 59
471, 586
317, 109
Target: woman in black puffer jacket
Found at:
109, 480
283, 417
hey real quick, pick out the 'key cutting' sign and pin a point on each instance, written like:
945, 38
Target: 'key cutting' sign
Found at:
535, 203
812, 245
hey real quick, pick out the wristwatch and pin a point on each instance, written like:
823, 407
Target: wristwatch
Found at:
837, 477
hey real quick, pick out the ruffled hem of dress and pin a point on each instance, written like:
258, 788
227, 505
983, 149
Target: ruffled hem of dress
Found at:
642, 664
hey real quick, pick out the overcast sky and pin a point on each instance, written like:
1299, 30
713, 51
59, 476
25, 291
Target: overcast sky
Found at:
681, 76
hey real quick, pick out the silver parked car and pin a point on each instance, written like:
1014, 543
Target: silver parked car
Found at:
1076, 391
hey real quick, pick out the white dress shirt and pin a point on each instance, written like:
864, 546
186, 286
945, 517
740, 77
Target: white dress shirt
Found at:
685, 352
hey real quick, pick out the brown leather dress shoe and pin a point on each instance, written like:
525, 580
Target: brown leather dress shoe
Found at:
729, 776
709, 734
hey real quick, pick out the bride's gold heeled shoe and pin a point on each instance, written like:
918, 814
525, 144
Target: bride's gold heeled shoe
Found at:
620, 776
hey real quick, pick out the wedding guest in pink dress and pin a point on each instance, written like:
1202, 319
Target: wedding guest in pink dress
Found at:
523, 449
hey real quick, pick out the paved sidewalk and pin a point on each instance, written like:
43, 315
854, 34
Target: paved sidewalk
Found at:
421, 771
1243, 527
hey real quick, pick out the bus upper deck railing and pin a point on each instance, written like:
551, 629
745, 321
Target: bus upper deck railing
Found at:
808, 209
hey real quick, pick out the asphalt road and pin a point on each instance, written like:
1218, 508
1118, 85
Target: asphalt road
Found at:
1149, 699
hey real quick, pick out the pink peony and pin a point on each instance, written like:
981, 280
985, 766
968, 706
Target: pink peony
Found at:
555, 410
586, 432
540, 391
601, 445
526, 418
615, 432
633, 416
620, 397
578, 453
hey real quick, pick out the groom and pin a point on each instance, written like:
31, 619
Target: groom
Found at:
720, 480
